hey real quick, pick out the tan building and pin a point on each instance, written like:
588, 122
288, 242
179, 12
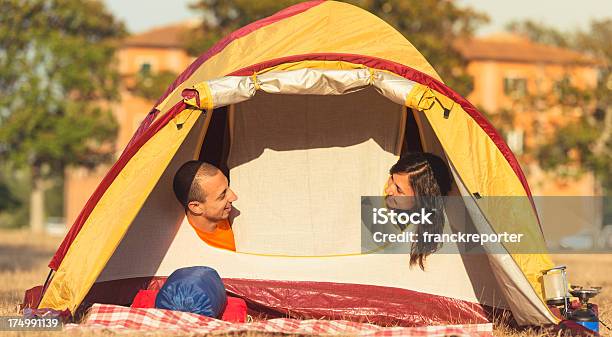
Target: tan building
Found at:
516, 82
157, 50
505, 69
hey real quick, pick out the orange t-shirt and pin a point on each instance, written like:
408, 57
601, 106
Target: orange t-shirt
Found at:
222, 237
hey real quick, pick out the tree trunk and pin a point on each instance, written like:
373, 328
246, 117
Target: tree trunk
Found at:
600, 148
37, 203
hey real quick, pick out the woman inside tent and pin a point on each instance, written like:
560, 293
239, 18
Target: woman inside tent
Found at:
419, 180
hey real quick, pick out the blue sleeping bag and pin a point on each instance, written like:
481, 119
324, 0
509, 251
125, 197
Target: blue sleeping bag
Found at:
194, 289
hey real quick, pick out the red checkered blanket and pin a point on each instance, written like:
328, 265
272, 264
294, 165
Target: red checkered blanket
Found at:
123, 319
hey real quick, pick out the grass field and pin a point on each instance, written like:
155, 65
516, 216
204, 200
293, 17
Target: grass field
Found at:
24, 258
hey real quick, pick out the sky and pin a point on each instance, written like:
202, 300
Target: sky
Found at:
140, 15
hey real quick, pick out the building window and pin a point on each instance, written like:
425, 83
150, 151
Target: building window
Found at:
145, 69
562, 87
146, 65
515, 87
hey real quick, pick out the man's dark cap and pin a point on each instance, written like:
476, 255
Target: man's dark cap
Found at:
183, 179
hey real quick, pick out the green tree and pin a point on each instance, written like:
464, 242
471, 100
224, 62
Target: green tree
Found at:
56, 77
539, 33
590, 139
432, 26
7, 199
152, 86
14, 193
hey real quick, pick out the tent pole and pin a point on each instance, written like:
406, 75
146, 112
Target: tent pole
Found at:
45, 285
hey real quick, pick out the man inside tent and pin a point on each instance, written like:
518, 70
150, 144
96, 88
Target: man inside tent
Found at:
204, 192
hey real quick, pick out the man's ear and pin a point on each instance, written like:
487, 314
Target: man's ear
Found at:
195, 207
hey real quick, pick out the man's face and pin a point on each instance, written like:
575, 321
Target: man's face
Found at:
219, 198
400, 194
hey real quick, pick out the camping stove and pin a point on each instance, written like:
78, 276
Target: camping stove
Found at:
586, 314
556, 292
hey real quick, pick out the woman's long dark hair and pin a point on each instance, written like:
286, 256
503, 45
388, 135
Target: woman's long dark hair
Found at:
430, 180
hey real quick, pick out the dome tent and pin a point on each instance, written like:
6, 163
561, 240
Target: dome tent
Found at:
305, 111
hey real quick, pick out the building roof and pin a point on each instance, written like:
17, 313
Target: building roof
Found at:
170, 36
514, 48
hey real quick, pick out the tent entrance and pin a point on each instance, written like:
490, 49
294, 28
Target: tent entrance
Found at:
299, 164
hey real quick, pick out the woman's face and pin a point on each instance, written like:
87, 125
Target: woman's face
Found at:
400, 194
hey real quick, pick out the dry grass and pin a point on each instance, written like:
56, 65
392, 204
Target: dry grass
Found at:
584, 270
24, 258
